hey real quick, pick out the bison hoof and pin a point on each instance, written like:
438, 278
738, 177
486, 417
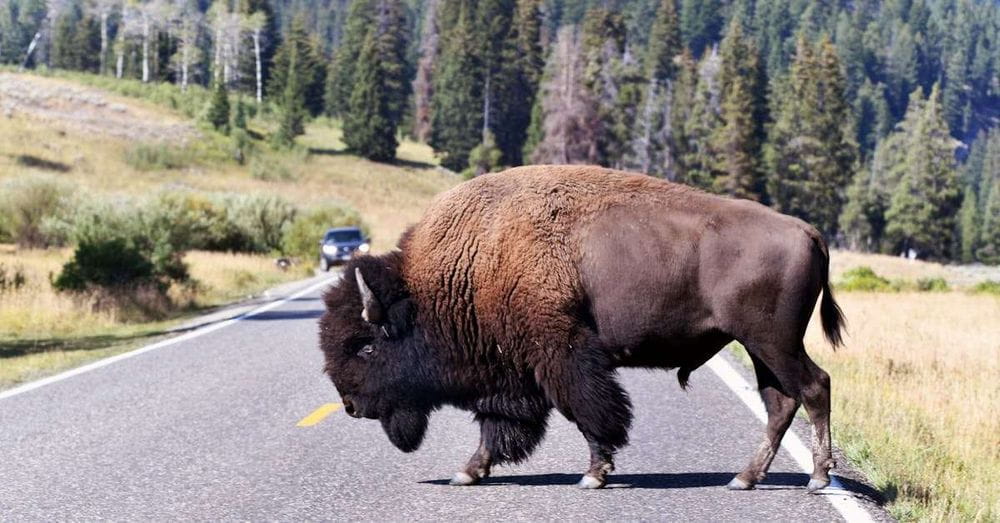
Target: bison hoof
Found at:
590, 482
816, 484
739, 484
463, 479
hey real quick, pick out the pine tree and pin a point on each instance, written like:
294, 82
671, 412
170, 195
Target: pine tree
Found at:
701, 22
664, 43
605, 77
735, 144
456, 118
218, 111
370, 123
681, 112
310, 69
700, 123
863, 219
968, 226
988, 215
921, 215
989, 241
515, 82
292, 104
240, 115
811, 154
360, 18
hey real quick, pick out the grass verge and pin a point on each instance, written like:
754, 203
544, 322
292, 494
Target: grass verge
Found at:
915, 399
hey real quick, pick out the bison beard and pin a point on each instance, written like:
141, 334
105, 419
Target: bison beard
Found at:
524, 291
405, 428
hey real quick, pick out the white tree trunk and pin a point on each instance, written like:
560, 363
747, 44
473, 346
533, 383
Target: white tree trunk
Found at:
119, 64
256, 54
31, 48
184, 67
218, 53
145, 48
104, 43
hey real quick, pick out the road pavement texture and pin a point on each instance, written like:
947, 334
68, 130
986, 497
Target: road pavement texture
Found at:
236, 421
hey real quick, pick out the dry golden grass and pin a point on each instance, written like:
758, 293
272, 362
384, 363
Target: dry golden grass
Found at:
916, 398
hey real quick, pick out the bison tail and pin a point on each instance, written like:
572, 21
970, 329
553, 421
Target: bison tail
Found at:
833, 317
829, 311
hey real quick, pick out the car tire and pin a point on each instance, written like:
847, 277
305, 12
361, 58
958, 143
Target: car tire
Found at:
324, 265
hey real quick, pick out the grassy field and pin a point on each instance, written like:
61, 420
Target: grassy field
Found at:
916, 390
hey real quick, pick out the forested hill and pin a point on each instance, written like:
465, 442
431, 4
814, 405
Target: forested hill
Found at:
870, 119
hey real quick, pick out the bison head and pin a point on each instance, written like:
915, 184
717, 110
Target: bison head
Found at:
374, 351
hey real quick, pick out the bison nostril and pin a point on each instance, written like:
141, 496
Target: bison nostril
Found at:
349, 408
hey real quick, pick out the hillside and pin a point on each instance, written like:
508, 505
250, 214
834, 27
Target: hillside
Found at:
89, 137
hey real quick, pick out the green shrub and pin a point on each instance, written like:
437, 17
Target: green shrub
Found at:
933, 285
110, 262
302, 239
987, 287
255, 223
26, 204
156, 156
864, 279
124, 244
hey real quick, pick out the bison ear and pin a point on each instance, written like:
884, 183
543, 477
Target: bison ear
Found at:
372, 311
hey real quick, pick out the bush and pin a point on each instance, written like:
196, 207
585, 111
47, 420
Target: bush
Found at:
269, 169
127, 246
11, 279
933, 285
109, 262
254, 223
987, 287
151, 157
303, 236
26, 204
864, 279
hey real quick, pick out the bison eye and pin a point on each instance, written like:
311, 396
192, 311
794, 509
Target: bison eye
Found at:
366, 351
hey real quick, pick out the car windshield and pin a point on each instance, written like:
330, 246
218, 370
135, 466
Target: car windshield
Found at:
343, 236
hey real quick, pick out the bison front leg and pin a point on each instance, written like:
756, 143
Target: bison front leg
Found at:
476, 469
502, 440
585, 390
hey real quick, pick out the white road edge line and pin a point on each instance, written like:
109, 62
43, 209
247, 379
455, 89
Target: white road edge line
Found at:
836, 494
32, 385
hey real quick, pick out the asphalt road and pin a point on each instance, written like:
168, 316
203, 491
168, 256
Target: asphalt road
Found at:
211, 428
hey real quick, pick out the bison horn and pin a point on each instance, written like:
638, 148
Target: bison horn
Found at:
372, 312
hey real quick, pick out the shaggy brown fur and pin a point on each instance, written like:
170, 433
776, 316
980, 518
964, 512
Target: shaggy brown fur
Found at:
524, 290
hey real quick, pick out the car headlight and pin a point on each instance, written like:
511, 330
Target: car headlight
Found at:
364, 247
330, 249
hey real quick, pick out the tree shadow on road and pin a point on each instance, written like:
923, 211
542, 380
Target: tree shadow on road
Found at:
286, 315
682, 480
25, 346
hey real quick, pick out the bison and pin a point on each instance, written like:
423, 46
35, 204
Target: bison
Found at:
525, 290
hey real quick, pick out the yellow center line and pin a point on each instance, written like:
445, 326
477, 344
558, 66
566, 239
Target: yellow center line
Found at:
319, 414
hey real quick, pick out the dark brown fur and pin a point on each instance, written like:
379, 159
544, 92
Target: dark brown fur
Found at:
525, 290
